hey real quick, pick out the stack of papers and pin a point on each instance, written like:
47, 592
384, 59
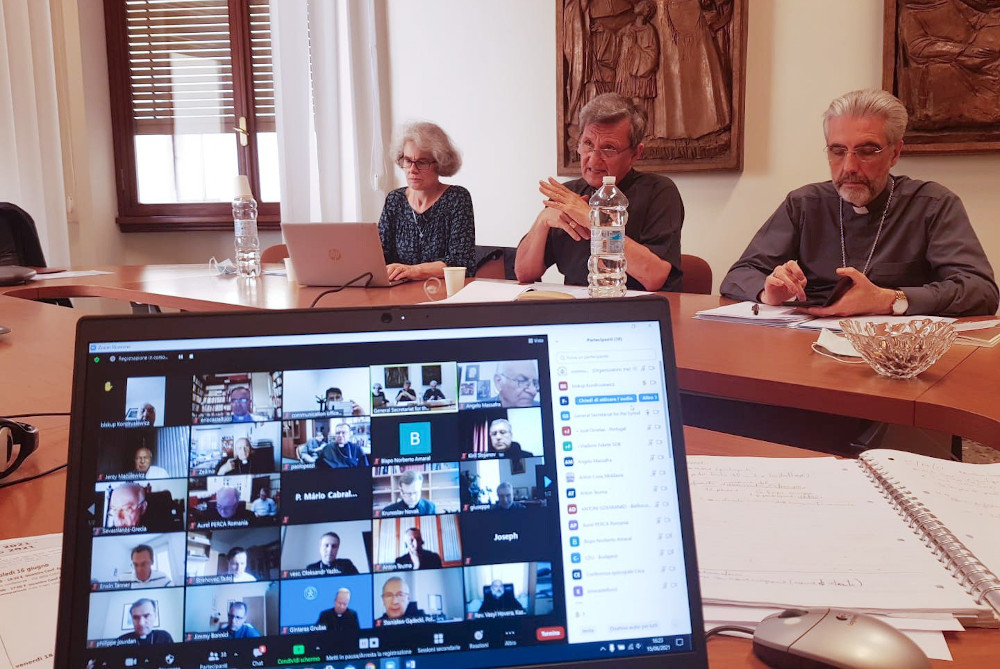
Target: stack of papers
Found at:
744, 312
833, 323
776, 533
978, 333
751, 312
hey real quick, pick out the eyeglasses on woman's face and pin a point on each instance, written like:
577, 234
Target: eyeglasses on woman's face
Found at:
422, 164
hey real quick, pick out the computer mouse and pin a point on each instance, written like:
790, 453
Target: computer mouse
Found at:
839, 638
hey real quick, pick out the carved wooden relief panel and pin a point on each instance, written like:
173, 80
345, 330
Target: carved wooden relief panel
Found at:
942, 59
681, 60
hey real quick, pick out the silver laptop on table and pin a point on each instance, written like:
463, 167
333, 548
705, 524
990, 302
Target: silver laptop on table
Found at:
336, 254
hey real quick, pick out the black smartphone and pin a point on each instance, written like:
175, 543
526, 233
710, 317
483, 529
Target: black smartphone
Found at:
842, 287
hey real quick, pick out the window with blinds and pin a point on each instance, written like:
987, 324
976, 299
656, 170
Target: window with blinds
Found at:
193, 106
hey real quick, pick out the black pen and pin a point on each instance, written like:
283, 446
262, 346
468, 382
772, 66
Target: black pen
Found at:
755, 309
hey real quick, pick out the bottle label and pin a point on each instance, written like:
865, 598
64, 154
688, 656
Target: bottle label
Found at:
245, 227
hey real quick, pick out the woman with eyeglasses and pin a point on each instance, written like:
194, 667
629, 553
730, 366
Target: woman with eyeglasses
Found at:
428, 225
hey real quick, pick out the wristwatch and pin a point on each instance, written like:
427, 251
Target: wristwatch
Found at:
899, 303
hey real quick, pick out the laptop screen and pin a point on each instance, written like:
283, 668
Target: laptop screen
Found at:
409, 488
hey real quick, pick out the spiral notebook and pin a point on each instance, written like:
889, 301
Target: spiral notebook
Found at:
892, 532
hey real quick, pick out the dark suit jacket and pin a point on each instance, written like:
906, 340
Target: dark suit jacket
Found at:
428, 560
339, 566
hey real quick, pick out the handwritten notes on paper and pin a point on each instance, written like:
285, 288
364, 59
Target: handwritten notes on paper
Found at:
29, 586
809, 532
964, 497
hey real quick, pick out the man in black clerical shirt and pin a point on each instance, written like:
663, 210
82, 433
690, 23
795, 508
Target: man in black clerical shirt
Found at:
143, 613
340, 620
502, 440
498, 598
329, 545
342, 452
396, 600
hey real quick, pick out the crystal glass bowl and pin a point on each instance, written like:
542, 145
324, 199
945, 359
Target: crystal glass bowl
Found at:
902, 350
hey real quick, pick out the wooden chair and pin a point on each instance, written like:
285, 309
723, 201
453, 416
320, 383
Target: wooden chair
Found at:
273, 254
697, 275
495, 262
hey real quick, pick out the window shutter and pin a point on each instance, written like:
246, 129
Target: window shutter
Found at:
260, 66
181, 70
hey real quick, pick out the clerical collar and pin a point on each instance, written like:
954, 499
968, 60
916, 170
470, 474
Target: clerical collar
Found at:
876, 205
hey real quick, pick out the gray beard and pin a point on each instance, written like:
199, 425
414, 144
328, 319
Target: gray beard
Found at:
859, 196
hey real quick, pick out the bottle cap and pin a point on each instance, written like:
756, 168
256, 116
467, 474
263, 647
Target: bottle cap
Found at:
609, 180
241, 186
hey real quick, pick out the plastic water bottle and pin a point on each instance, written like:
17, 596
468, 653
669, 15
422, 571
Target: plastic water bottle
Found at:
608, 216
245, 224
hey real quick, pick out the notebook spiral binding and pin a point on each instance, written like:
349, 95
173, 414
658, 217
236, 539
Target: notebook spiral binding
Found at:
973, 575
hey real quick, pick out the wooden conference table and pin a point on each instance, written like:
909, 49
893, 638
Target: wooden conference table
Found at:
36, 362
772, 366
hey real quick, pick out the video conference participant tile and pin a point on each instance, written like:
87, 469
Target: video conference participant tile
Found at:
426, 387
235, 448
341, 606
319, 495
238, 397
221, 502
503, 485
327, 443
137, 561
237, 611
499, 383
326, 549
415, 490
243, 555
143, 453
139, 507
509, 590
134, 402
127, 618
414, 439
486, 434
415, 597
411, 543
311, 393
504, 536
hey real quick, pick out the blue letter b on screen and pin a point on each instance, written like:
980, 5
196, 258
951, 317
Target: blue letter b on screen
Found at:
415, 439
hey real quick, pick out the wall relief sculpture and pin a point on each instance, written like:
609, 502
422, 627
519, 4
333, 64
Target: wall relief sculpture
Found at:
680, 60
942, 59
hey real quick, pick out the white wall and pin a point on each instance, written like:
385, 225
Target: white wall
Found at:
485, 71
492, 84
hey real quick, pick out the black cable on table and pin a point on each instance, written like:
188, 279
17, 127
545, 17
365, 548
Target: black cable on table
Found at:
367, 280
33, 477
728, 628
33, 415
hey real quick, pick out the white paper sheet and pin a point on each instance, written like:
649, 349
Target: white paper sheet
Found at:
29, 593
505, 291
68, 274
841, 544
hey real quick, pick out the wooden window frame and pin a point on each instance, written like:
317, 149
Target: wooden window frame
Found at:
134, 216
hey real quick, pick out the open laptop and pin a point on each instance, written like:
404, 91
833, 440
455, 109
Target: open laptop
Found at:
508, 489
336, 254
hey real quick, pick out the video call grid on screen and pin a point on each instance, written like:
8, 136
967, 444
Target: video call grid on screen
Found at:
218, 462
